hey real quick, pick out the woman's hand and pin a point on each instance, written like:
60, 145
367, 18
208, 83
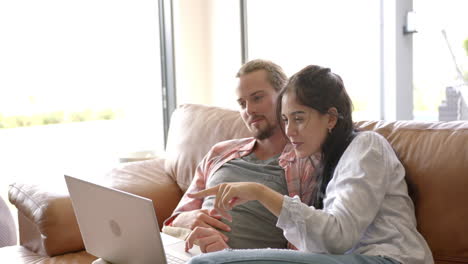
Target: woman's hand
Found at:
229, 195
232, 194
208, 239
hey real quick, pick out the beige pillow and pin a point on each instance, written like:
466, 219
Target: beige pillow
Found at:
194, 129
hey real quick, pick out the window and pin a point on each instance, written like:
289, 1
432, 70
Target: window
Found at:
90, 70
442, 30
339, 34
207, 52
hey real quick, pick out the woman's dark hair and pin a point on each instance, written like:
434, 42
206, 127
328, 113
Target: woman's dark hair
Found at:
320, 89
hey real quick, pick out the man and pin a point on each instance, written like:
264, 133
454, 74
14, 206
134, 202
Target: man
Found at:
249, 159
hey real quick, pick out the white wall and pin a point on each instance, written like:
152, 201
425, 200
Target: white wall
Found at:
207, 51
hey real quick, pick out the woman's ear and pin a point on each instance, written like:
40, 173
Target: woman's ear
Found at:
332, 117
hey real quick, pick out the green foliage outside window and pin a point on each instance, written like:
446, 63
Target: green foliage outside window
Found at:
465, 44
57, 117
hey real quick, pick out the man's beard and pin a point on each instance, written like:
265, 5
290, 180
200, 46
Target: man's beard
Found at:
265, 133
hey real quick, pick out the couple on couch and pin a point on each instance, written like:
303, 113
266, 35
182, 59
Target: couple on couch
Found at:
306, 179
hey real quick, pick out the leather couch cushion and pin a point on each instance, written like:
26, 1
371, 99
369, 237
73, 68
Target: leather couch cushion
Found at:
148, 179
193, 131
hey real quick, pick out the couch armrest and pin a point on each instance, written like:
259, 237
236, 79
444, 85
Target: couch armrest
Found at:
47, 222
148, 179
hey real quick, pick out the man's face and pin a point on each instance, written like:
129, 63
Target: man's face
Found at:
257, 101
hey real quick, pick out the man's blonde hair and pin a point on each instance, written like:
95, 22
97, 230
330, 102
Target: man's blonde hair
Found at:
275, 74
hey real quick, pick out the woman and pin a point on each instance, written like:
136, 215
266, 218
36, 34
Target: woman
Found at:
361, 212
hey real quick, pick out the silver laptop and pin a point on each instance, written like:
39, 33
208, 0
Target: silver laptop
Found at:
121, 227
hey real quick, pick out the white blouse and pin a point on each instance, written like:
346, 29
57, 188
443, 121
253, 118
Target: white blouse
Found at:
366, 211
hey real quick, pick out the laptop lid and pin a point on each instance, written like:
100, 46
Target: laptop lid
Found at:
116, 226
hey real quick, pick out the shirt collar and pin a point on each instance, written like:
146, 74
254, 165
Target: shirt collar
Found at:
288, 154
247, 148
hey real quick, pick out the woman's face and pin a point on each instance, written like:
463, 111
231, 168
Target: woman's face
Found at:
305, 127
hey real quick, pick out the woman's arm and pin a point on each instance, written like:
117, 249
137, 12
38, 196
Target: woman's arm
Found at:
272, 200
229, 195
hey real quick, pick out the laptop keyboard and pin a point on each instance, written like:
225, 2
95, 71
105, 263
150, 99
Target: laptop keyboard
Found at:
174, 260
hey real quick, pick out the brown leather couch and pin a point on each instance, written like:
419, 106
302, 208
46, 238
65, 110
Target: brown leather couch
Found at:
435, 156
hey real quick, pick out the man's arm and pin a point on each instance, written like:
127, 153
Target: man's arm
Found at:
188, 213
199, 218
208, 239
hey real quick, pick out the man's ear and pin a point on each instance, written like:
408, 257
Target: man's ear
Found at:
332, 117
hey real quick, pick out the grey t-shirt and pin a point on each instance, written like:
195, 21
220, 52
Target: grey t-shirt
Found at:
252, 226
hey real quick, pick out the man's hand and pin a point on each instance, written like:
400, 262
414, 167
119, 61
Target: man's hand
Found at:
208, 239
199, 218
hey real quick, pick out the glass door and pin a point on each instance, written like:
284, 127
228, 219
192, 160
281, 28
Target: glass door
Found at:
79, 86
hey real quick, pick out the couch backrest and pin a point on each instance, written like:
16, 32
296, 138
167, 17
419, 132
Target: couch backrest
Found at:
435, 156
194, 129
